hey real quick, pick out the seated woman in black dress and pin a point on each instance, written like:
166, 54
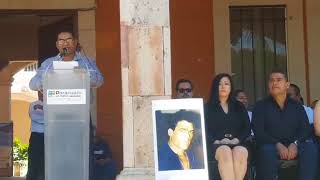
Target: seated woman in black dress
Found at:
228, 125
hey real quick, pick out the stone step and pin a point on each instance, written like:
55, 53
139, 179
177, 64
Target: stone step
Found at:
12, 178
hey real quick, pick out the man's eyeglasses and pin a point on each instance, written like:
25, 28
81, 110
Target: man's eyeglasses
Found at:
67, 40
182, 90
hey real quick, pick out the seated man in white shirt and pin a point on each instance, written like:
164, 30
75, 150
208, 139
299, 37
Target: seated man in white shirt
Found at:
36, 142
295, 93
242, 97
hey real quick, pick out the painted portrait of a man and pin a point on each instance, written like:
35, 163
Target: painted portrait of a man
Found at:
179, 145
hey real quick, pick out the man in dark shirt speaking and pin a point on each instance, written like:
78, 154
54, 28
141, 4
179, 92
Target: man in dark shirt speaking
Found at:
283, 132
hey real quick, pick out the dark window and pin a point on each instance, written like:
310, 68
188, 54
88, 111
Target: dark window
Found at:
258, 45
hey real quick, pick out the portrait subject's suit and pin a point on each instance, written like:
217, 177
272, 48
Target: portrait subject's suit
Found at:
168, 160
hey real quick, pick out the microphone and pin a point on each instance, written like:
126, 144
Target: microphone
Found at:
64, 52
78, 47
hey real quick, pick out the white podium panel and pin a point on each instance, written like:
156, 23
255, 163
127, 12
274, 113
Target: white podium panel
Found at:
67, 117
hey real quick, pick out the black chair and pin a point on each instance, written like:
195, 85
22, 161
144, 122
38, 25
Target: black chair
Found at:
288, 170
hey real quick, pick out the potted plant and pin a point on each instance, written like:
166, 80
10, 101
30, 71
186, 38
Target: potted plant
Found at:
20, 156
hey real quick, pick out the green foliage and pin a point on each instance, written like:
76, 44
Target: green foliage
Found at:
20, 150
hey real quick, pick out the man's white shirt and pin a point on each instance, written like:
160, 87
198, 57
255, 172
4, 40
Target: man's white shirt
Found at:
37, 117
309, 112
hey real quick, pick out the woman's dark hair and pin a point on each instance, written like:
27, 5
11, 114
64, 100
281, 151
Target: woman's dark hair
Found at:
214, 92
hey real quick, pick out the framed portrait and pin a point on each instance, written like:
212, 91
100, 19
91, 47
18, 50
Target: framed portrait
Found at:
179, 139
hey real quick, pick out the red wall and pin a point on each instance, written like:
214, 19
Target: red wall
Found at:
109, 61
192, 58
192, 43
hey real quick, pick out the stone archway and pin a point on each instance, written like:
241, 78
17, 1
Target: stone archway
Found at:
6, 79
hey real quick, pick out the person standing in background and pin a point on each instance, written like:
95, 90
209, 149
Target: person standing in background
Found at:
184, 88
36, 141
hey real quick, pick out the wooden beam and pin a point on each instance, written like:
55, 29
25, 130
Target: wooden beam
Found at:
306, 56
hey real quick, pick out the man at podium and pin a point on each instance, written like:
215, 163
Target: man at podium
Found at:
69, 51
68, 48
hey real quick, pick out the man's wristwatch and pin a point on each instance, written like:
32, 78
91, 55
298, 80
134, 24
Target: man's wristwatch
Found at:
296, 142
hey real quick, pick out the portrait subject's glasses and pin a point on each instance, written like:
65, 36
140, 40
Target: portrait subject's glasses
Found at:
67, 40
182, 90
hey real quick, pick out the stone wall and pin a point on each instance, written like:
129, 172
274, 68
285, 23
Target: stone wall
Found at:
146, 76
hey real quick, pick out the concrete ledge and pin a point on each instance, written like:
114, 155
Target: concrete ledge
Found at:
136, 174
12, 178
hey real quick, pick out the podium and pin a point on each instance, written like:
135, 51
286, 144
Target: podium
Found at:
67, 119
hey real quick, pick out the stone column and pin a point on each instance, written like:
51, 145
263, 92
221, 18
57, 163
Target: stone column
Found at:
146, 76
5, 117
5, 91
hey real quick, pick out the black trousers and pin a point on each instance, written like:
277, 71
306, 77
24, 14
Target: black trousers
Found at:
91, 158
268, 161
36, 157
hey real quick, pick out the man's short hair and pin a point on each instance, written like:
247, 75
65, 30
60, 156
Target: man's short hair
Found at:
237, 91
277, 70
296, 89
297, 92
189, 116
183, 81
67, 30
